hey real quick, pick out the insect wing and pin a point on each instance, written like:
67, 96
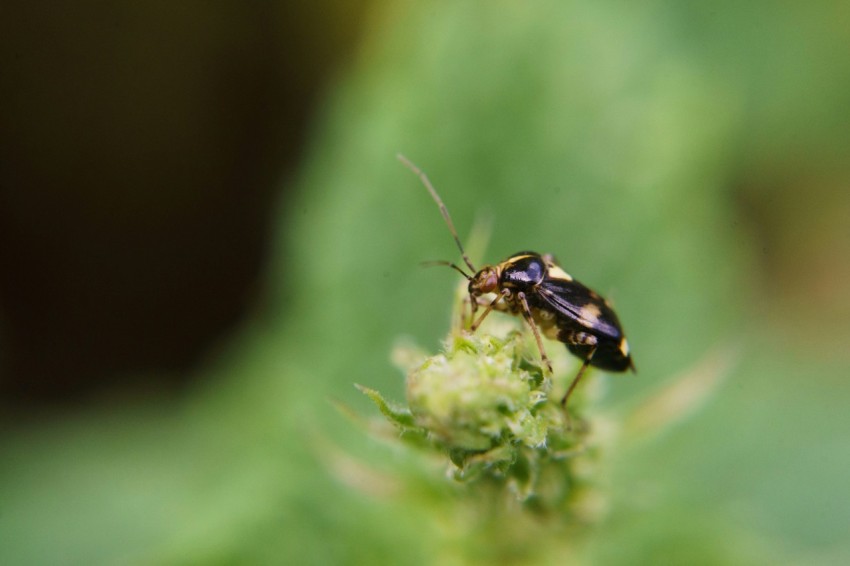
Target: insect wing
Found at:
578, 303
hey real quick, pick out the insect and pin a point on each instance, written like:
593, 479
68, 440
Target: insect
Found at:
553, 304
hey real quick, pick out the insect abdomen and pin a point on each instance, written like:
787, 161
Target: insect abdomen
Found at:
611, 354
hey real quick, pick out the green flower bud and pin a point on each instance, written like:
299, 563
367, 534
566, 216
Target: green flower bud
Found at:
479, 395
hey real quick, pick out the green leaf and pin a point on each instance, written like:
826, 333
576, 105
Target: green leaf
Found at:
395, 413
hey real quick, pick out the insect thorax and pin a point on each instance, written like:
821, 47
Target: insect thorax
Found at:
522, 271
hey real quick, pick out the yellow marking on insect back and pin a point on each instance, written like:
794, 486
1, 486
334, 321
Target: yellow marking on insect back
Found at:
590, 313
516, 258
555, 272
624, 347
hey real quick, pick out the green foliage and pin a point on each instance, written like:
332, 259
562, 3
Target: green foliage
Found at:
608, 134
487, 409
517, 466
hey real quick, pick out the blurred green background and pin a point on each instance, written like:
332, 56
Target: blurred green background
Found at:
206, 237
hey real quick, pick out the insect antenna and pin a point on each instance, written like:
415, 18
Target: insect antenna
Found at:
448, 264
443, 210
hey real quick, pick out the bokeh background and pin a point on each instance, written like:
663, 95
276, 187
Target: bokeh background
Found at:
205, 237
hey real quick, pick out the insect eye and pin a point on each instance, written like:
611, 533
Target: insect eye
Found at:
490, 282
485, 281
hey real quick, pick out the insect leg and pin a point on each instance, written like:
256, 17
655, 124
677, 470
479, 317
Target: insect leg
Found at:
487, 310
526, 313
463, 314
469, 308
578, 376
500, 306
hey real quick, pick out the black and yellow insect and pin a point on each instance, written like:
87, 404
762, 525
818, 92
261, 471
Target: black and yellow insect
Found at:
552, 303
